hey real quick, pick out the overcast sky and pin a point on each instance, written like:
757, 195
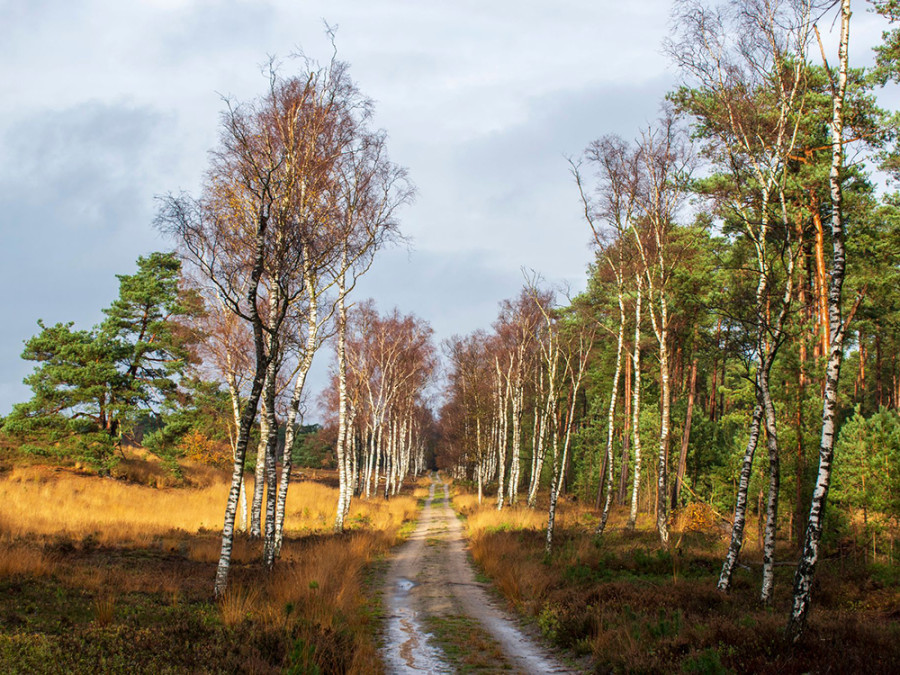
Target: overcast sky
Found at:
108, 103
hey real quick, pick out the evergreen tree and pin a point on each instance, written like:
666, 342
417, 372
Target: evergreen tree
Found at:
103, 379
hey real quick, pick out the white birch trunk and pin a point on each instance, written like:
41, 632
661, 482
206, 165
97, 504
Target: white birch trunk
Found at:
810, 554
236, 413
636, 406
340, 448
271, 449
502, 421
665, 422
517, 403
247, 417
540, 433
768, 571
611, 417
740, 508
259, 478
293, 410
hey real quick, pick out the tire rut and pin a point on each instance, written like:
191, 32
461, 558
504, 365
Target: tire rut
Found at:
430, 586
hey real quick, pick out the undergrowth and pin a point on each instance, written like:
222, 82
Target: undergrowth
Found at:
630, 605
102, 575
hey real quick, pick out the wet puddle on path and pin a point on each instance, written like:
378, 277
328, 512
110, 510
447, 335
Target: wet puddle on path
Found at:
430, 583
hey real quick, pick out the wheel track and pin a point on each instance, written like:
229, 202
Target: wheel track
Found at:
431, 578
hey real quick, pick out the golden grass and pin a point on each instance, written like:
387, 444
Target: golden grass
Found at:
485, 517
636, 605
318, 594
520, 580
114, 543
238, 604
323, 578
38, 501
495, 539
20, 559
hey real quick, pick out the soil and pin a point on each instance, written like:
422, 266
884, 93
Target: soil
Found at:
440, 618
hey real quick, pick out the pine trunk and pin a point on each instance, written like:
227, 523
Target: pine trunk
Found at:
685, 437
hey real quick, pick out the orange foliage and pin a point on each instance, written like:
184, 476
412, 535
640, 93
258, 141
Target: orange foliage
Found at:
199, 448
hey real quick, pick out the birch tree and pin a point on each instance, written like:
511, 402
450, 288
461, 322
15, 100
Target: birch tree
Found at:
609, 212
565, 359
371, 190
665, 160
464, 418
390, 363
838, 328
750, 64
250, 232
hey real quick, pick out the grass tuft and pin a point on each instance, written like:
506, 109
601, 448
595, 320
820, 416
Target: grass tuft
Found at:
104, 609
239, 604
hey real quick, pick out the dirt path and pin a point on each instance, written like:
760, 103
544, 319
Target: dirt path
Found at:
440, 619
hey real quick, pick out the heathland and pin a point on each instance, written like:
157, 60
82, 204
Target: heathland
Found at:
114, 574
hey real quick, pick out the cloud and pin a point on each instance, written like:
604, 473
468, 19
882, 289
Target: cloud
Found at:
76, 198
510, 191
109, 103
200, 31
456, 292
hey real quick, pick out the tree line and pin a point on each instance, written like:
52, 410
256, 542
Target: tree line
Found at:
744, 293
299, 196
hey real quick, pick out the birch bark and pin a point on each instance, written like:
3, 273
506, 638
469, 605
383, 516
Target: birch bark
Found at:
807, 566
611, 417
636, 404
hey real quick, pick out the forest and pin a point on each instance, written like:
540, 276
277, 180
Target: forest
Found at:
691, 466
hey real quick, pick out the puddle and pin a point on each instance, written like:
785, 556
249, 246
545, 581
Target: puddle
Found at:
407, 648
415, 578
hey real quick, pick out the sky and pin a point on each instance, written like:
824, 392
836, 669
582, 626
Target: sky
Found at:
108, 104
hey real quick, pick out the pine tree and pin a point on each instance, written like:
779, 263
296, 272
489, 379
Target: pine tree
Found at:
101, 380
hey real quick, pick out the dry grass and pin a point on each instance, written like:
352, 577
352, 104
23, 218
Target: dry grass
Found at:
104, 608
41, 501
238, 604
635, 606
136, 563
21, 559
324, 578
485, 517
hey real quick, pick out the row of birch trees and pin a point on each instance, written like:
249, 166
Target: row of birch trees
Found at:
724, 235
514, 388
298, 197
380, 399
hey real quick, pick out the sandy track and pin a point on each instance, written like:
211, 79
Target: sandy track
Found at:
431, 578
